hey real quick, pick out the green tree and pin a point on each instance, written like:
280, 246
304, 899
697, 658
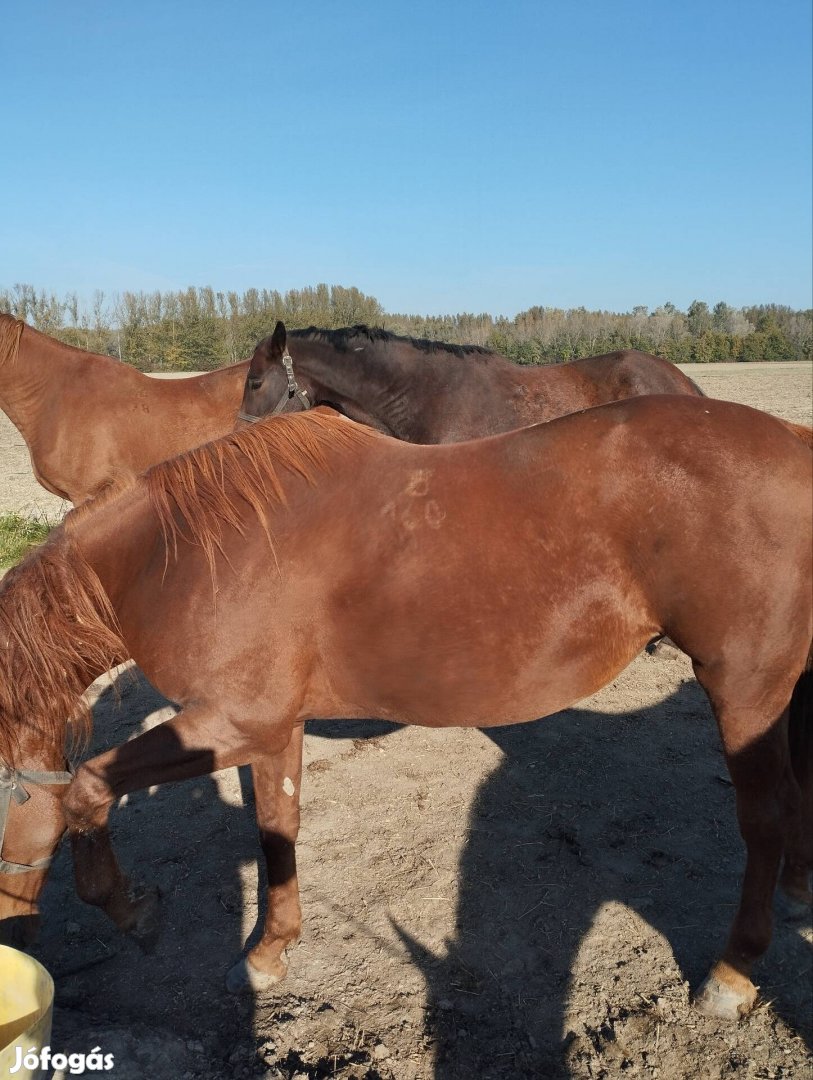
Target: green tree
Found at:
698, 317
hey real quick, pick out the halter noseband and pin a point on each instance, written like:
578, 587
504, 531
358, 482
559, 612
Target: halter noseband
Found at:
293, 390
11, 787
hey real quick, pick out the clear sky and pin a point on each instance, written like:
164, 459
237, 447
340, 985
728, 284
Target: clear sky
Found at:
440, 155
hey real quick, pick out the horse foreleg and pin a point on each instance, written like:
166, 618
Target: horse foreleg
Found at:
196, 742
277, 782
767, 800
100, 881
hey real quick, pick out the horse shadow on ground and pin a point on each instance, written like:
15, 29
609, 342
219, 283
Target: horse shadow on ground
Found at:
612, 827
594, 835
585, 812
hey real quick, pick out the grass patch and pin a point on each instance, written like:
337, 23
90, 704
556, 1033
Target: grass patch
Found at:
18, 534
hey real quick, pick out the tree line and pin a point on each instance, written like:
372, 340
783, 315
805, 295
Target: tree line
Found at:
200, 328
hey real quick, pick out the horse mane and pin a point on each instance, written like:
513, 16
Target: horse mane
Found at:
10, 331
56, 625
345, 337
199, 492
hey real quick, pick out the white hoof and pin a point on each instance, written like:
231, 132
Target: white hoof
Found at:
245, 978
718, 999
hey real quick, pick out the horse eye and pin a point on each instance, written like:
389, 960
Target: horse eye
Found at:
254, 384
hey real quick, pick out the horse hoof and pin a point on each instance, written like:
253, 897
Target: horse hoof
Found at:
145, 927
245, 978
724, 1002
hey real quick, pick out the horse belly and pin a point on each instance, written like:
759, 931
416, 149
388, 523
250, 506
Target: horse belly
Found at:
504, 665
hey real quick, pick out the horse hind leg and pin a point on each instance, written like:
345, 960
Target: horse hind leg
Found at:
798, 864
753, 725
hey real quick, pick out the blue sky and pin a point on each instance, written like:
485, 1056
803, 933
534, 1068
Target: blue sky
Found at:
440, 156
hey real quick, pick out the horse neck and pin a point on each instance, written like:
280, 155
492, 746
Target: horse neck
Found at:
26, 378
379, 383
21, 382
115, 531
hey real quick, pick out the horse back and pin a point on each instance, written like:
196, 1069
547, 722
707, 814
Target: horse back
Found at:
550, 555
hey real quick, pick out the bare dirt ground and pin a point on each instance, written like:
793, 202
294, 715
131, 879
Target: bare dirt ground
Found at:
534, 901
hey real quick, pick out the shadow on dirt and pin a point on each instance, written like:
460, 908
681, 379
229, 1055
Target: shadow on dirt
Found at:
570, 823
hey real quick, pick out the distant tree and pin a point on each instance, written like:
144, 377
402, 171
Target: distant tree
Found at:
197, 328
679, 350
698, 317
722, 317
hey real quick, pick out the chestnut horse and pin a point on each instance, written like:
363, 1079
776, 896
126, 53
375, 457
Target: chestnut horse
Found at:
88, 419
514, 576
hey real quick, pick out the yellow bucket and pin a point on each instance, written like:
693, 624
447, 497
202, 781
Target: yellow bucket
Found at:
26, 1010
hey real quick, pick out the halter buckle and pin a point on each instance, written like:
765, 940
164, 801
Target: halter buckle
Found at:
293, 390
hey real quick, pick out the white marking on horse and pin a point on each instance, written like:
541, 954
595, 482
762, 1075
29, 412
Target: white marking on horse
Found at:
418, 482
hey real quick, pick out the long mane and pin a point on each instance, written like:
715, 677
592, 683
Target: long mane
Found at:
198, 493
56, 625
10, 331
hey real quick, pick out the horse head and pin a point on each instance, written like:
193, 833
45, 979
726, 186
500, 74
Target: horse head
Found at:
270, 383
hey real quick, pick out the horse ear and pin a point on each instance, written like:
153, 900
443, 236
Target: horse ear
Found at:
269, 351
278, 339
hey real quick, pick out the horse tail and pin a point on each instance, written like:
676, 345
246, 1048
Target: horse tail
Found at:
800, 724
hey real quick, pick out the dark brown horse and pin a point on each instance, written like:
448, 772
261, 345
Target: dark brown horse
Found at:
310, 567
88, 419
429, 392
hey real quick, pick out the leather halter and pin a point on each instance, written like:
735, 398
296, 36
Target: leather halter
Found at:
293, 390
11, 787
